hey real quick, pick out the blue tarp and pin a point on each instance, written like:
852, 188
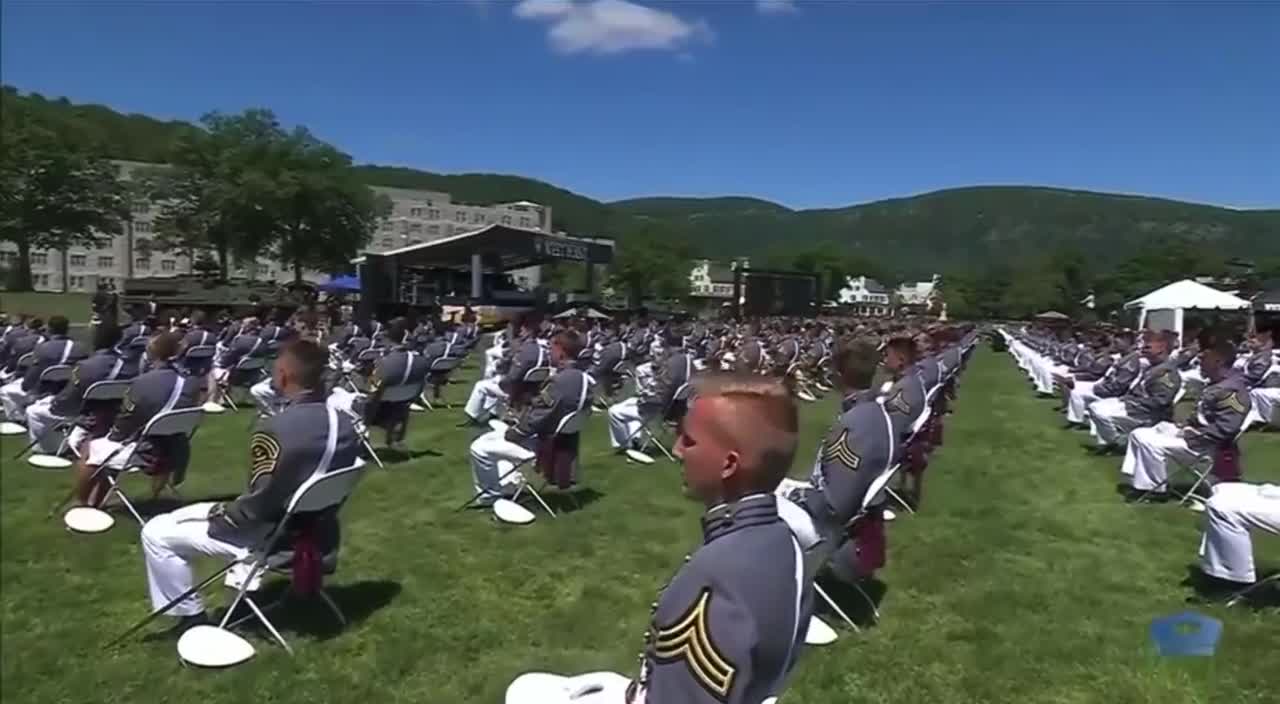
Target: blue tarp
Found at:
341, 284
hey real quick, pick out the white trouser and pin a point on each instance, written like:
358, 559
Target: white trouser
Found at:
169, 541
344, 400
625, 421
1266, 406
40, 424
1226, 550
1110, 420
1045, 374
1149, 452
15, 401
591, 688
492, 356
492, 455
1193, 380
486, 399
1079, 399
265, 396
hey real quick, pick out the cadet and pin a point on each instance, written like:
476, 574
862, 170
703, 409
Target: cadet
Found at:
245, 343
400, 366
567, 391
628, 416
105, 364
490, 394
1219, 416
54, 351
1261, 359
285, 450
20, 342
161, 388
1150, 402
1118, 380
728, 627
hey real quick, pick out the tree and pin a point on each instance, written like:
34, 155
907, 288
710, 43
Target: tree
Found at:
55, 192
647, 265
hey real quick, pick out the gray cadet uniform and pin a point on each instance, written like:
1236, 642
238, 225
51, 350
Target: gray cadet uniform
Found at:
566, 392
1257, 366
19, 346
159, 389
626, 417
727, 629
906, 399
285, 450
1220, 415
54, 351
103, 365
857, 449
1123, 374
1150, 402
402, 366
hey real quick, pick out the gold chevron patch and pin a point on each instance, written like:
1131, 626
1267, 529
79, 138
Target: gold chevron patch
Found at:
689, 639
1234, 404
898, 403
264, 450
838, 450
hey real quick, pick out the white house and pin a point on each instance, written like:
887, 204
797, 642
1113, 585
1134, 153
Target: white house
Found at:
866, 296
710, 279
919, 293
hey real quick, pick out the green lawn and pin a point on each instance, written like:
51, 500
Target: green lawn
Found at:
1024, 579
73, 305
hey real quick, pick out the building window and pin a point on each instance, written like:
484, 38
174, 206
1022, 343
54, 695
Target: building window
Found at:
415, 227
141, 207
102, 244
415, 241
77, 260
433, 214
168, 265
386, 241
460, 216
106, 262
144, 264
39, 258
477, 217
506, 219
107, 280
142, 227
524, 222
415, 212
387, 226
433, 229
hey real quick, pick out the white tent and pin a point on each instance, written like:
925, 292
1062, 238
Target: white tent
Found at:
1162, 309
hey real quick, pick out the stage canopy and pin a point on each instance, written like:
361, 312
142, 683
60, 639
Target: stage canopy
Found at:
1162, 309
503, 247
1267, 301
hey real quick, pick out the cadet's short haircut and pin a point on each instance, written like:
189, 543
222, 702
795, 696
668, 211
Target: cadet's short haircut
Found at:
309, 361
164, 346
906, 345
764, 426
58, 325
1221, 346
35, 323
856, 362
569, 341
397, 330
198, 317
1125, 335
106, 336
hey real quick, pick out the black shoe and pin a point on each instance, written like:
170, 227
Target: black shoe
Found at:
469, 422
1133, 496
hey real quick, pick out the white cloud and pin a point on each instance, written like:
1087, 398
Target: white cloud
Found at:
776, 7
611, 26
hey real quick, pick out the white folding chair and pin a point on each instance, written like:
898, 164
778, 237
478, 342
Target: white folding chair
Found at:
320, 492
173, 423
401, 393
441, 365
1201, 469
1240, 595
646, 433
199, 357
242, 376
110, 390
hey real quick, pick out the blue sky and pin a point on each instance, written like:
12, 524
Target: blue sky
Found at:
810, 104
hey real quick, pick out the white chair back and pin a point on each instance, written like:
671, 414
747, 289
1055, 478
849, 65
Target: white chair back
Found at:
324, 490
200, 352
402, 392
251, 364
537, 375
110, 390
56, 373
573, 422
26, 360
682, 393
444, 364
182, 421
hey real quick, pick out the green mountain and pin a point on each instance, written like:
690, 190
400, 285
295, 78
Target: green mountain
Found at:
944, 231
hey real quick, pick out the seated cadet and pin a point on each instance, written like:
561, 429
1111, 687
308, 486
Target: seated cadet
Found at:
1226, 548
58, 349
1219, 416
628, 416
274, 334
199, 333
746, 612
245, 343
161, 388
488, 396
1261, 358
1150, 401
401, 365
133, 340
1264, 382
559, 398
1091, 368
284, 451
21, 342
104, 365
605, 362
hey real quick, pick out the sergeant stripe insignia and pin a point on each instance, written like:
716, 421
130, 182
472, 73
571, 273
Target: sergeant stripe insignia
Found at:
264, 450
1168, 380
1233, 403
689, 639
898, 403
838, 450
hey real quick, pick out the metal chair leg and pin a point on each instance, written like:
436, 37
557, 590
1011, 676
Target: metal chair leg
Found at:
894, 495
267, 622
328, 600
835, 607
1240, 595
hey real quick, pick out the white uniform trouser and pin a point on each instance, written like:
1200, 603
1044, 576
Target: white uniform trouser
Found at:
1146, 461
1110, 420
1226, 550
1266, 406
344, 400
625, 421
486, 399
492, 455
15, 401
1045, 373
1079, 399
40, 423
591, 688
492, 356
265, 396
169, 541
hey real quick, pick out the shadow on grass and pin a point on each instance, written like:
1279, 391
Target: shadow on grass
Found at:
1209, 590
850, 600
571, 500
309, 616
150, 508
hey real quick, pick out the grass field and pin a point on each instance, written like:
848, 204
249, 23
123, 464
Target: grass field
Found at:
75, 306
1024, 579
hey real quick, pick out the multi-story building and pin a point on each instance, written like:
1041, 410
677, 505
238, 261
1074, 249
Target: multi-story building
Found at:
416, 217
710, 279
919, 293
865, 296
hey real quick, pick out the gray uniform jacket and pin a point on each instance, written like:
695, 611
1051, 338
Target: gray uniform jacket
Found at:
1122, 376
609, 357
1255, 370
19, 347
527, 356
906, 399
1090, 366
559, 397
750, 355
149, 394
1219, 414
245, 344
400, 366
670, 373
730, 625
856, 449
930, 373
53, 351
1151, 401
198, 337
284, 451
99, 367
